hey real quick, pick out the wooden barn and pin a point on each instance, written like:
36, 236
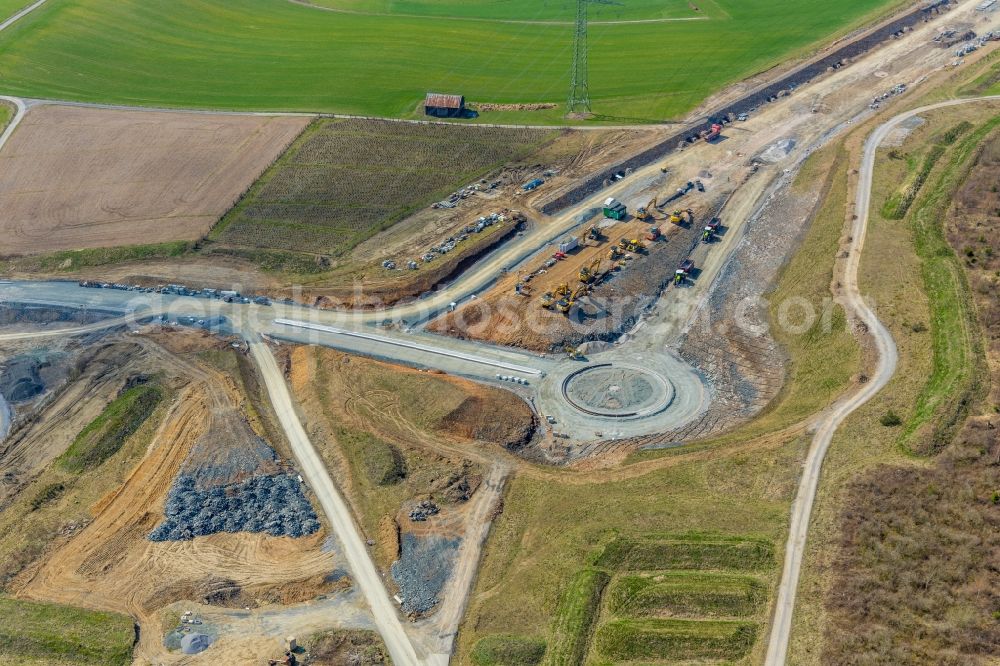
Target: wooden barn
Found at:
444, 106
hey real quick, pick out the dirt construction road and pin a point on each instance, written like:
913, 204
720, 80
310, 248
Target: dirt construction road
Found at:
828, 423
342, 521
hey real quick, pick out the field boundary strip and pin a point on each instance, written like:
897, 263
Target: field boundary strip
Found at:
474, 19
21, 14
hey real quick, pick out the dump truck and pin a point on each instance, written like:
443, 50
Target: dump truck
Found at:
714, 133
682, 272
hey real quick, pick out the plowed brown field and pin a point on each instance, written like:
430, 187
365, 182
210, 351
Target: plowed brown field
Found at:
77, 178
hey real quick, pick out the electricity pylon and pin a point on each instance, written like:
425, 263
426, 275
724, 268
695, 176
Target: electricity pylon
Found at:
579, 89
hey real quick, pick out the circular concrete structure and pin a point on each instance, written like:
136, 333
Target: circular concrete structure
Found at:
619, 391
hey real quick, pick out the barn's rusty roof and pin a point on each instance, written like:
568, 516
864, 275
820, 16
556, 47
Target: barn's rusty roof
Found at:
444, 101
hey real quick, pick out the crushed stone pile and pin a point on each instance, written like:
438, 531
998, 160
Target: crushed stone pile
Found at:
424, 510
423, 568
274, 504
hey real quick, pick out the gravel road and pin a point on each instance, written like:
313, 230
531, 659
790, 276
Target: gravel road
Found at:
777, 651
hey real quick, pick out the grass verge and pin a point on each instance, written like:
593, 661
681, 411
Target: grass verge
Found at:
71, 260
674, 640
686, 594
954, 380
57, 635
105, 435
574, 619
506, 650
689, 551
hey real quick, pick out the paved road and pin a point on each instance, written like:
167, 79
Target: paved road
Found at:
21, 14
777, 650
359, 560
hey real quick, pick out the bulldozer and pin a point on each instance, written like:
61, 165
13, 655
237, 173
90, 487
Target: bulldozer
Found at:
589, 273
615, 253
547, 300
631, 244
573, 352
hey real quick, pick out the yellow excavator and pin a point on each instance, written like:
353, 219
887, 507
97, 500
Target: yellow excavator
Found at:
566, 304
588, 273
647, 213
676, 217
592, 233
550, 298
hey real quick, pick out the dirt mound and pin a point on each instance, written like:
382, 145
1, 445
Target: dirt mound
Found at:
492, 417
229, 452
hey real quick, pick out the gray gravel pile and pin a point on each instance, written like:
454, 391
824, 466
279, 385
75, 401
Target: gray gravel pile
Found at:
222, 465
424, 510
273, 504
423, 568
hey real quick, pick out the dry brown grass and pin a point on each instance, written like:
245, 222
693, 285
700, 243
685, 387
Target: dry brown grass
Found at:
77, 178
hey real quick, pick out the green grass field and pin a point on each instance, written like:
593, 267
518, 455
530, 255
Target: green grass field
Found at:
54, 634
526, 10
674, 640
9, 7
686, 594
343, 181
276, 55
106, 434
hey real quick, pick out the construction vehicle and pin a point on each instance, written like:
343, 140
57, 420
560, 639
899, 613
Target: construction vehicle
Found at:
647, 212
590, 234
653, 234
708, 234
522, 289
562, 289
676, 217
615, 253
589, 273
573, 352
682, 272
631, 245
714, 133
566, 304
547, 300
